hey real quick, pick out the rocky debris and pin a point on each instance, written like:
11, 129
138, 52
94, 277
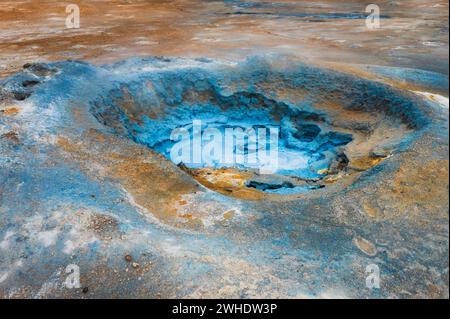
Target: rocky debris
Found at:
102, 222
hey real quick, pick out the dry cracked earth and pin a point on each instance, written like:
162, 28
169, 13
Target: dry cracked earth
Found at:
86, 179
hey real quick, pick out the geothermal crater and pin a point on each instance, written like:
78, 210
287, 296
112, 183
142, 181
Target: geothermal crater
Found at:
87, 159
313, 127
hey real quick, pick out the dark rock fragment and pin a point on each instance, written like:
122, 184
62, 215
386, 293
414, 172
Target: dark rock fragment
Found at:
28, 83
39, 69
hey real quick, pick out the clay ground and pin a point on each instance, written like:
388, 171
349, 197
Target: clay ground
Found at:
415, 34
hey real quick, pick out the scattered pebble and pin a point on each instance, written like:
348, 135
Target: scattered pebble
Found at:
365, 246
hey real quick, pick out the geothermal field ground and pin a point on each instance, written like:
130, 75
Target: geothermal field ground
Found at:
224, 149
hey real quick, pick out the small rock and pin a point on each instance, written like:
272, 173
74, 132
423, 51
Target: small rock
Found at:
365, 246
20, 96
28, 83
339, 163
135, 265
128, 258
379, 152
85, 290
